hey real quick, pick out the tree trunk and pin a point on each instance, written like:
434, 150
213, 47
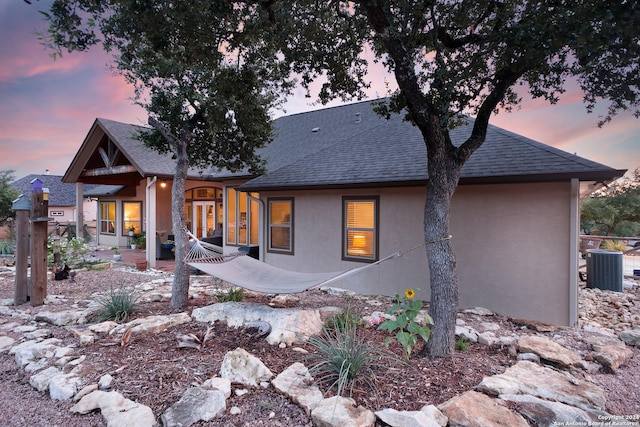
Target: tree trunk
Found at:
444, 173
180, 289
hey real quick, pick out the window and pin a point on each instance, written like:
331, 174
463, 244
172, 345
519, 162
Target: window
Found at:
107, 217
360, 228
132, 214
280, 225
242, 217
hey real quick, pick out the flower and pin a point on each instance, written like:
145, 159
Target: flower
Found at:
409, 293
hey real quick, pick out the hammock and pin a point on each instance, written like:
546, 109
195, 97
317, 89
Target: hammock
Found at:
255, 275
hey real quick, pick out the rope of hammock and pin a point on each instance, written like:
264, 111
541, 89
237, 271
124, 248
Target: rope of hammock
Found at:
249, 273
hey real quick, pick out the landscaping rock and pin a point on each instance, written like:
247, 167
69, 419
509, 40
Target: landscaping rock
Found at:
631, 337
116, 409
479, 410
546, 413
196, 404
420, 418
152, 324
340, 411
288, 325
296, 383
546, 383
238, 366
549, 350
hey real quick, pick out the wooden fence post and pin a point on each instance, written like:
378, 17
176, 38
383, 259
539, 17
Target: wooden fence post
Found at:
23, 208
39, 220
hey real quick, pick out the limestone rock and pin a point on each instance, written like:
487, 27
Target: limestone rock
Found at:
631, 337
61, 318
63, 386
217, 383
152, 324
288, 325
530, 378
296, 383
102, 327
28, 351
610, 352
478, 311
116, 409
547, 413
467, 333
340, 411
41, 380
548, 350
435, 413
241, 367
196, 404
479, 410
6, 343
420, 418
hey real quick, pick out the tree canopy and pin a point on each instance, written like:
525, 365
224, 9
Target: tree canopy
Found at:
448, 58
7, 195
615, 210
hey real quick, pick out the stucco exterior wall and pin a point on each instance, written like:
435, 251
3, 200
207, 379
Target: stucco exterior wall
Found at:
511, 243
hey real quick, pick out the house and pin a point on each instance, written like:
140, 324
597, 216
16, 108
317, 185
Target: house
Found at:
62, 197
345, 187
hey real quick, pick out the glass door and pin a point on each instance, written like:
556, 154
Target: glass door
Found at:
204, 219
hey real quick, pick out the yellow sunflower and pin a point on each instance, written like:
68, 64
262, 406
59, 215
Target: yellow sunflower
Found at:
409, 293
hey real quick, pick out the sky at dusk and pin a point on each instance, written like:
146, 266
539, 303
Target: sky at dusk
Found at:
47, 107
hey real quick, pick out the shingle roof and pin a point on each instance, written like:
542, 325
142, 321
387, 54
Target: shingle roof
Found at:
60, 194
351, 145
146, 160
354, 146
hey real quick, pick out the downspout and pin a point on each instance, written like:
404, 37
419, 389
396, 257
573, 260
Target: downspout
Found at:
574, 236
261, 224
151, 224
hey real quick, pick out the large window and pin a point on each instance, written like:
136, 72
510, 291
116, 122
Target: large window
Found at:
280, 225
107, 217
242, 217
360, 228
132, 214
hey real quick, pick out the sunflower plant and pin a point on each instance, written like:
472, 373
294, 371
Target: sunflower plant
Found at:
403, 320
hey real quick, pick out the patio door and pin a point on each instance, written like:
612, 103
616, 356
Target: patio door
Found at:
204, 219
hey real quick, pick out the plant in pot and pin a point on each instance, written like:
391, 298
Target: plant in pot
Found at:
116, 253
131, 231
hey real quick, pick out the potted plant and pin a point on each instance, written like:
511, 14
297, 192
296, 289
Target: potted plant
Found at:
116, 253
132, 231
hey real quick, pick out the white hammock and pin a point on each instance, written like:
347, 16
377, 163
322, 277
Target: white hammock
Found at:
249, 273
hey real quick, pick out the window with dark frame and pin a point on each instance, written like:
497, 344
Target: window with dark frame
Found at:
107, 217
132, 217
360, 228
280, 219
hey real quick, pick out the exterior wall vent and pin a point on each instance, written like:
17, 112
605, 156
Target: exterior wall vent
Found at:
358, 118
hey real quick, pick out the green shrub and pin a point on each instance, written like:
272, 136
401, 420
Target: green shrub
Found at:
7, 247
462, 344
345, 320
118, 305
232, 294
71, 250
614, 245
341, 358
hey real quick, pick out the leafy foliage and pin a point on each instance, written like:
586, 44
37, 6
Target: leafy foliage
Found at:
71, 250
341, 358
7, 195
118, 305
347, 319
404, 313
614, 210
462, 344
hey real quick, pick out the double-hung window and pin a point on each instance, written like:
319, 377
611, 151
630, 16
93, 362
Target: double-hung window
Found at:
280, 225
360, 228
107, 217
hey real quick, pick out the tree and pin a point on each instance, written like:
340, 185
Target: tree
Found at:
466, 57
614, 210
200, 70
7, 195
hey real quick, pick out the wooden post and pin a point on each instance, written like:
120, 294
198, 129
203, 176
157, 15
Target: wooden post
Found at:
23, 208
79, 211
39, 219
